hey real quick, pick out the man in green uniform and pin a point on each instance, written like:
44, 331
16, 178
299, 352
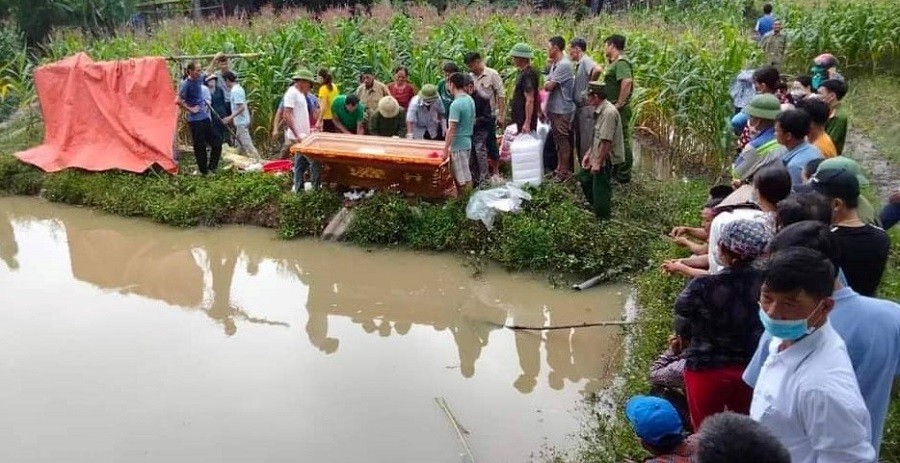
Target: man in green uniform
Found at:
832, 91
606, 154
774, 46
618, 83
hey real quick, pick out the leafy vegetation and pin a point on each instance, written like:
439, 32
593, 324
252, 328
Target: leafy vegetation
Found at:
684, 58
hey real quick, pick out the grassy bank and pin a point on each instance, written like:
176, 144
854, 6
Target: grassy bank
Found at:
554, 233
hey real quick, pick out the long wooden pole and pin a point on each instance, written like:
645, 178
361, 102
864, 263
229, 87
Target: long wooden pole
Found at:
229, 56
567, 327
460, 432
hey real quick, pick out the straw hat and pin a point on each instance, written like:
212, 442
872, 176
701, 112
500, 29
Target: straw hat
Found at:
388, 107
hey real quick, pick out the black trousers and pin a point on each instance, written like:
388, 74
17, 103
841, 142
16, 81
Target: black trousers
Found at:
203, 136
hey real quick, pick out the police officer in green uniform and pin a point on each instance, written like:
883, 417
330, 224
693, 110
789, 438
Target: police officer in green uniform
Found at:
607, 153
618, 84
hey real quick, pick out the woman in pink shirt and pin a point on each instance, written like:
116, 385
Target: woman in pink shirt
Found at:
400, 88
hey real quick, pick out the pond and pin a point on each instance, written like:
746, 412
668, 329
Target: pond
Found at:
125, 341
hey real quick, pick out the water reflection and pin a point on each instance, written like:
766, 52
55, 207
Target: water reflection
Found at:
383, 293
8, 246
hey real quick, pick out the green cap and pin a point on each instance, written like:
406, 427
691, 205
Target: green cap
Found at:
367, 70
428, 93
843, 162
521, 50
596, 87
765, 106
304, 74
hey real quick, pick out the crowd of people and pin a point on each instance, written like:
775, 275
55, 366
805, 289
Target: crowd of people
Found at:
778, 322
780, 349
585, 104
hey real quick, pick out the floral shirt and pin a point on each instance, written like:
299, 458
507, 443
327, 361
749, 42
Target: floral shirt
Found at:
718, 316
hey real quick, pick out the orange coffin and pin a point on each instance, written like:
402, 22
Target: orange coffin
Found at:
412, 166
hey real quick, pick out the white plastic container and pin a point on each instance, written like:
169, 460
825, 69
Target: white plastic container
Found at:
527, 160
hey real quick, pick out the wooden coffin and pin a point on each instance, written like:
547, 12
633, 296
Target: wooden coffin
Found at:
412, 166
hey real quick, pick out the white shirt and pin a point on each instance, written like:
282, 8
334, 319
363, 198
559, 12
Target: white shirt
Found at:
295, 101
718, 224
807, 396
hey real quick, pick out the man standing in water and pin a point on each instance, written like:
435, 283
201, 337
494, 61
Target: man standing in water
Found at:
525, 104
190, 97
619, 83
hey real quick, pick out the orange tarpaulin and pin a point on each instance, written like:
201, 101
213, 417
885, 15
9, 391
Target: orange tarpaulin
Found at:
105, 115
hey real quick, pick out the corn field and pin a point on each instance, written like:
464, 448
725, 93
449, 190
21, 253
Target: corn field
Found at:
684, 58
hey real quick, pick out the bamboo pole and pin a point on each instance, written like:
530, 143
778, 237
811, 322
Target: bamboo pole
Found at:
460, 432
200, 57
568, 327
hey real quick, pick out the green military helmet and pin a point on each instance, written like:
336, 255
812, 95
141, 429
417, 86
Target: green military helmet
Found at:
521, 50
764, 106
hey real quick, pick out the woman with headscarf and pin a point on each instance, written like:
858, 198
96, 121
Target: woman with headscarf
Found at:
716, 316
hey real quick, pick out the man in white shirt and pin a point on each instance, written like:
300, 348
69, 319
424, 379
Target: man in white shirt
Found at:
807, 394
295, 118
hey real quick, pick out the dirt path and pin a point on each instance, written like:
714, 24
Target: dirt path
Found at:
882, 173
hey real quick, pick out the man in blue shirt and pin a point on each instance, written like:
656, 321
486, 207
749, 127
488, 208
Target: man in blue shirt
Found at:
190, 97
791, 128
765, 23
869, 327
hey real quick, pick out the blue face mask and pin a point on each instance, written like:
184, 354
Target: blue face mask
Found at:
788, 330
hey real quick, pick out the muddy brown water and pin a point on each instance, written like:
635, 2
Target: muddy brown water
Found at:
124, 341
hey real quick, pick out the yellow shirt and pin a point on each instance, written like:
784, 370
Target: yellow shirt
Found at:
826, 146
326, 97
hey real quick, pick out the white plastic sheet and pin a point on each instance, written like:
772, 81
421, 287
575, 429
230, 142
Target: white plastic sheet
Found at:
484, 205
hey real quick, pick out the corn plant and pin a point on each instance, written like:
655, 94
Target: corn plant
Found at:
684, 55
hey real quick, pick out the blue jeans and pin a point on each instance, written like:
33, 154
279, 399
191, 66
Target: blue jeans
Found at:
890, 215
301, 163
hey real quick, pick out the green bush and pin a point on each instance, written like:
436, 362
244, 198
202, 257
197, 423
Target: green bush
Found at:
381, 219
18, 178
306, 214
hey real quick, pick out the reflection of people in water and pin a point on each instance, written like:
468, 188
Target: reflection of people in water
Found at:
221, 267
8, 246
317, 330
528, 345
221, 263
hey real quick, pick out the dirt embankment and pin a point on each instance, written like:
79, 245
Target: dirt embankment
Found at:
883, 174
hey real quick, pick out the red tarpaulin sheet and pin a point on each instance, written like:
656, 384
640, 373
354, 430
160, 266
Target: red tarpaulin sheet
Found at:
105, 115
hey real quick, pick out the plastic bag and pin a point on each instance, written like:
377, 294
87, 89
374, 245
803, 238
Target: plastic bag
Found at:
484, 204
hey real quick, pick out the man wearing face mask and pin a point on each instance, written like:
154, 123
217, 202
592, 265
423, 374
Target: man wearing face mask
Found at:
807, 394
868, 326
424, 116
